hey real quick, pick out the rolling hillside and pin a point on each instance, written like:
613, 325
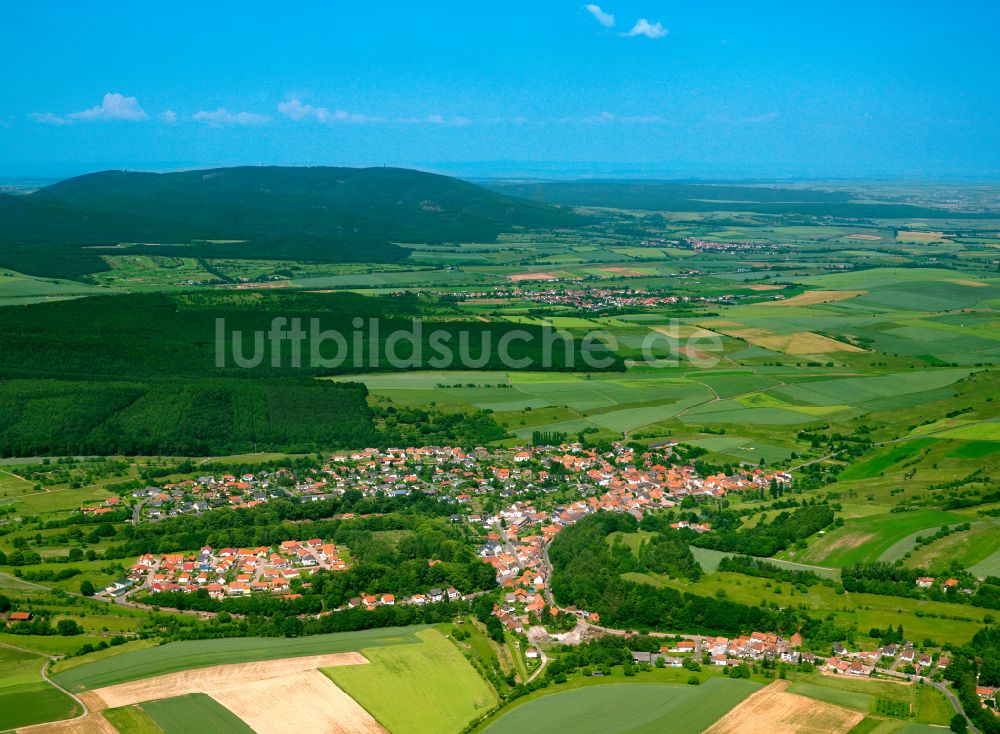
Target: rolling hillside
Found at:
310, 214
681, 196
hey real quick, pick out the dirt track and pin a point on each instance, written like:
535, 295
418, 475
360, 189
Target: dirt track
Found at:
772, 710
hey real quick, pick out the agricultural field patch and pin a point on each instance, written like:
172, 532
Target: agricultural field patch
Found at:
989, 566
194, 713
865, 539
730, 384
774, 709
966, 547
129, 719
853, 693
25, 698
921, 619
652, 708
194, 654
797, 343
985, 431
974, 450
884, 458
434, 689
852, 390
811, 298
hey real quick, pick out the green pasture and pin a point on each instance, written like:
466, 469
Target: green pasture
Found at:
966, 547
651, 707
939, 621
25, 698
884, 458
853, 693
131, 720
866, 539
434, 688
194, 713
709, 559
989, 566
856, 389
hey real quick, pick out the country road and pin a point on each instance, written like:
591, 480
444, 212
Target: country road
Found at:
44, 672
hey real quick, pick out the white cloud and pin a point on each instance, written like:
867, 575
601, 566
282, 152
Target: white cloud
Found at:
643, 27
605, 19
456, 121
48, 118
114, 106
606, 118
294, 109
169, 117
222, 116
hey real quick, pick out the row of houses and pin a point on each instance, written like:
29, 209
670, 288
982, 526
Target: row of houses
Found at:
889, 657
236, 571
455, 475
433, 596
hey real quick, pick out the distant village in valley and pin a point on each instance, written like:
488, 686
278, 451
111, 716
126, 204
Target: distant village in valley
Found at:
513, 536
501, 495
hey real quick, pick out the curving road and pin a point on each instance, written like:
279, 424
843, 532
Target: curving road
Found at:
49, 659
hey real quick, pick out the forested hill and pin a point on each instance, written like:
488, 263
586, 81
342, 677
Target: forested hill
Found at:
686, 196
316, 214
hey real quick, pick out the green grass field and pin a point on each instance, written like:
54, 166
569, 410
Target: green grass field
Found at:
25, 698
195, 713
866, 539
640, 708
938, 621
203, 653
932, 707
860, 695
131, 720
989, 566
967, 547
884, 458
434, 689
709, 559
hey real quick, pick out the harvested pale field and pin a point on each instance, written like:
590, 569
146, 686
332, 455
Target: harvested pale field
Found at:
261, 286
765, 287
970, 283
306, 701
622, 271
89, 724
911, 236
798, 343
773, 710
811, 298
518, 277
209, 680
863, 237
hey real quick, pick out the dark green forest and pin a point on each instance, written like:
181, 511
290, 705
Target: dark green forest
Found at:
680, 196
316, 214
64, 390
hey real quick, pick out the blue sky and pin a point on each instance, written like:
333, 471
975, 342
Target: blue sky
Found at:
705, 89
